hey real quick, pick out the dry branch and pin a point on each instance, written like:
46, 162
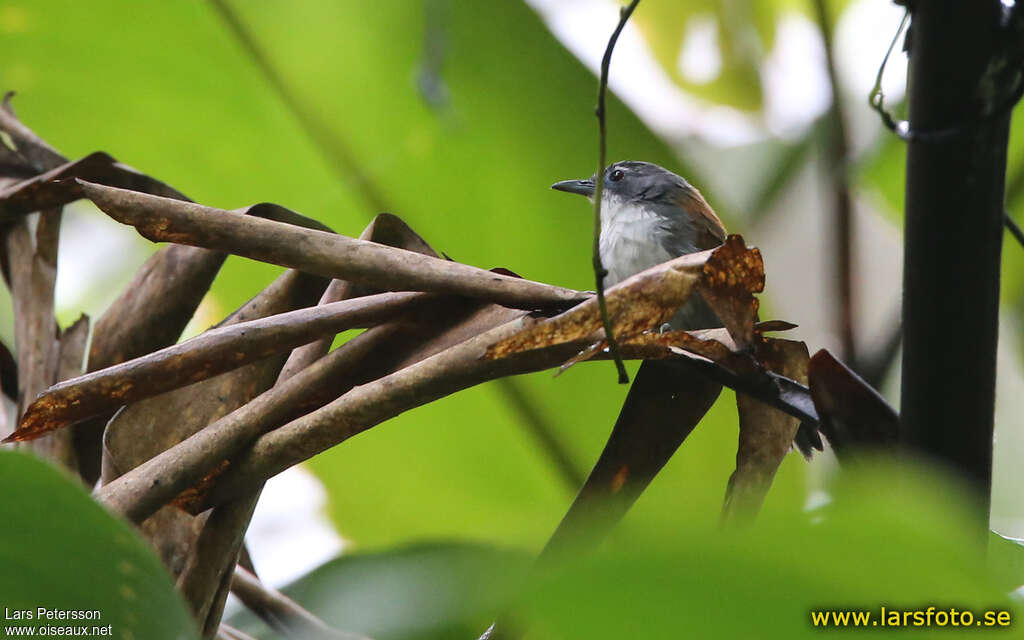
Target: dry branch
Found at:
147, 427
385, 228
212, 559
318, 252
208, 354
459, 366
365, 358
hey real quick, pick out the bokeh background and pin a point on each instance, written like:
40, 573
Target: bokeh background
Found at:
457, 116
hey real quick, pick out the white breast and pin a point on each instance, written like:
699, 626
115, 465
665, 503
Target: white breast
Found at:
630, 239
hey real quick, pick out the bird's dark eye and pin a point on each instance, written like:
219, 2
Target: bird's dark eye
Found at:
616, 175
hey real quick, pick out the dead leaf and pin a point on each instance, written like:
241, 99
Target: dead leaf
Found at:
665, 402
732, 274
766, 434
853, 415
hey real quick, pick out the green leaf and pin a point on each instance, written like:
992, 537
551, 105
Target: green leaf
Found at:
424, 592
1006, 557
744, 34
740, 41
889, 539
62, 552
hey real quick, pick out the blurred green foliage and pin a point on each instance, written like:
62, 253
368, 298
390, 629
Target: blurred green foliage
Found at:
883, 540
743, 31
62, 551
433, 591
167, 89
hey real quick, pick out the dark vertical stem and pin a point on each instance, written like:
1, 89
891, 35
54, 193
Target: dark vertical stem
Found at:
602, 136
838, 150
954, 218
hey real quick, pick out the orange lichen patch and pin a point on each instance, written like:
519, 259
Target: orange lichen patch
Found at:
636, 305
38, 419
195, 494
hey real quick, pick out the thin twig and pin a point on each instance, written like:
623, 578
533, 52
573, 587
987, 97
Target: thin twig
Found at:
839, 148
877, 98
599, 271
902, 128
1013, 227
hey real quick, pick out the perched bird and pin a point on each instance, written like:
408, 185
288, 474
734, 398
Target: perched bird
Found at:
650, 215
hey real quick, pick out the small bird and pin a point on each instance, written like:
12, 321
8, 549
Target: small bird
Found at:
650, 215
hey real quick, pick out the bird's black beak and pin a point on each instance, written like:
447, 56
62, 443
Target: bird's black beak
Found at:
582, 187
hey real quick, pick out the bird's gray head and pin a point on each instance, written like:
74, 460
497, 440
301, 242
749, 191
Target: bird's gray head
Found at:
632, 181
650, 215
633, 192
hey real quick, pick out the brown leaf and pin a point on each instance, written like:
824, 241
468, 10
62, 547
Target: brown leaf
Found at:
664, 404
853, 415
8, 373
732, 274
769, 326
55, 188
277, 213
32, 264
766, 434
